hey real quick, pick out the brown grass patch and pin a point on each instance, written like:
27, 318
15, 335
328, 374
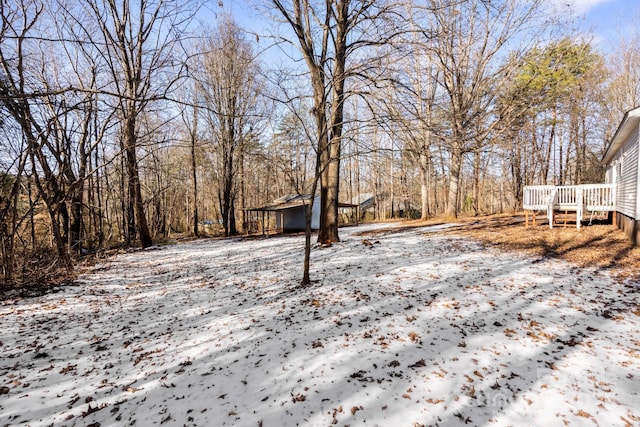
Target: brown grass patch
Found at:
600, 245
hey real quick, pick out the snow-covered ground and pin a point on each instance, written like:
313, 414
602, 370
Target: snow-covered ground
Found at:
415, 329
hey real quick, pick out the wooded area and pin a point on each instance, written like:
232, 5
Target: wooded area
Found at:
124, 123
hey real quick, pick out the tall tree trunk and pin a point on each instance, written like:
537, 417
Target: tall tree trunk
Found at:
306, 275
233, 228
329, 188
517, 175
424, 185
577, 179
9, 220
561, 170
242, 188
53, 200
331, 170
476, 181
583, 153
126, 208
77, 197
330, 177
455, 169
133, 183
58, 238
547, 160
226, 196
194, 177
32, 222
75, 232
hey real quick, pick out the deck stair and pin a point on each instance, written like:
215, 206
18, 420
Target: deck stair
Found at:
563, 218
567, 203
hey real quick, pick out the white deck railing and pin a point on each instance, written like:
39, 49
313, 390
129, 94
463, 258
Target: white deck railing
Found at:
578, 198
600, 197
536, 198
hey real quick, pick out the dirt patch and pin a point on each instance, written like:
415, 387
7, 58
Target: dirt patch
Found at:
600, 245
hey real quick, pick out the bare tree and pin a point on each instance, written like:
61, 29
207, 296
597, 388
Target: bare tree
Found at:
191, 125
296, 134
469, 40
410, 108
22, 92
12, 172
623, 90
328, 33
229, 86
140, 43
292, 152
11, 181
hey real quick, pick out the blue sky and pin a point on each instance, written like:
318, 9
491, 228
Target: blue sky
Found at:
606, 20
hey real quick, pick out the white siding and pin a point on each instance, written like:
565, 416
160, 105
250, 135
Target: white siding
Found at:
627, 180
609, 177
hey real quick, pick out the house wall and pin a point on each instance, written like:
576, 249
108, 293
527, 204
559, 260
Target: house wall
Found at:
624, 168
610, 177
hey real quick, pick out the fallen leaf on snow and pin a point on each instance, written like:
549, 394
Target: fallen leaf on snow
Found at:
419, 364
299, 398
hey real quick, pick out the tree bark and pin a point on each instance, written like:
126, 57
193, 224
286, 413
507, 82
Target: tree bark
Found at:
424, 186
133, 184
194, 177
455, 169
476, 181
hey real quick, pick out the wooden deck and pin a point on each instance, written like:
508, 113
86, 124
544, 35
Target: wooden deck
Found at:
578, 199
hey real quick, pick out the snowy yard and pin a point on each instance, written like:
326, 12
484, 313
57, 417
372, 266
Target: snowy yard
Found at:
416, 329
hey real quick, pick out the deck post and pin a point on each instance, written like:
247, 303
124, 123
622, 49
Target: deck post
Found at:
579, 206
529, 213
551, 206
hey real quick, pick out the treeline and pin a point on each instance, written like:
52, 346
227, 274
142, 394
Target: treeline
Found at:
125, 122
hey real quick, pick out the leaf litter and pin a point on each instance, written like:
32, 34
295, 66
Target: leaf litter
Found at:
418, 328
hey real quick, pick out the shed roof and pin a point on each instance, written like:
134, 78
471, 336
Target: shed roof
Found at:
291, 201
629, 122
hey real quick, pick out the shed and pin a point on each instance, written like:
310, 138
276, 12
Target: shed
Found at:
289, 212
622, 160
292, 210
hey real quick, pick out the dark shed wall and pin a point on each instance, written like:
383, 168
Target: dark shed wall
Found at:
630, 226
